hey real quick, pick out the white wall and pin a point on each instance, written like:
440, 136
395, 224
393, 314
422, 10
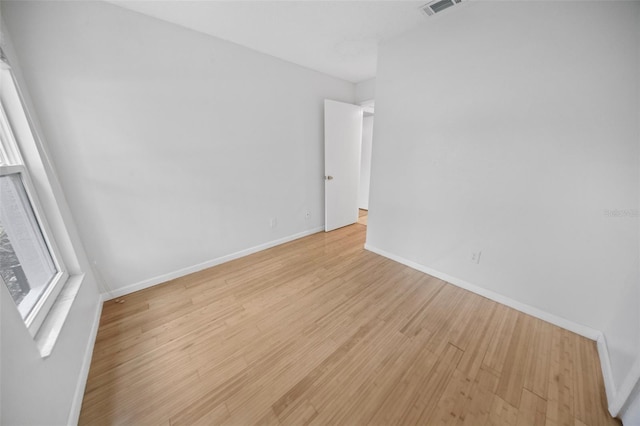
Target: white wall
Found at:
365, 162
365, 90
35, 390
38, 391
512, 129
174, 148
630, 414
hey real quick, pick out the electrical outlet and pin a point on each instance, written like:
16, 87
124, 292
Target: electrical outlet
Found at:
273, 222
475, 257
307, 215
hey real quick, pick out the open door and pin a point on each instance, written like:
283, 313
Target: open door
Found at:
342, 138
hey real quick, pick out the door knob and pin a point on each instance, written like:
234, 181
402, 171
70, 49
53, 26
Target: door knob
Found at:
328, 177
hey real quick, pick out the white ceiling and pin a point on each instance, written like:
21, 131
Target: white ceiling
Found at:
338, 38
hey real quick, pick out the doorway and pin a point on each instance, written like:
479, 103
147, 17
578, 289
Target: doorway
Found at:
365, 161
347, 144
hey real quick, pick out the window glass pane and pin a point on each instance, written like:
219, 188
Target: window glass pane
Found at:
26, 265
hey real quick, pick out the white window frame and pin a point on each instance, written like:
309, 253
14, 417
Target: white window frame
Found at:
48, 204
15, 165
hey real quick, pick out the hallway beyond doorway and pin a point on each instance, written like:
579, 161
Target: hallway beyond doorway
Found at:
362, 216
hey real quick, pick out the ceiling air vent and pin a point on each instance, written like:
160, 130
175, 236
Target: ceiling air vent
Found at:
436, 6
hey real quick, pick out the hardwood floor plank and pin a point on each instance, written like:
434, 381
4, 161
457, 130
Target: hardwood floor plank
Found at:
504, 323
502, 413
533, 410
537, 374
560, 394
517, 360
451, 405
209, 401
393, 409
301, 414
479, 404
483, 330
434, 386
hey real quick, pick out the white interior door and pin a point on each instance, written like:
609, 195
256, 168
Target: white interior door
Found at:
342, 139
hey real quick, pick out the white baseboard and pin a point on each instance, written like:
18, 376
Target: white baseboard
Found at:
626, 389
580, 329
74, 414
616, 397
607, 373
208, 264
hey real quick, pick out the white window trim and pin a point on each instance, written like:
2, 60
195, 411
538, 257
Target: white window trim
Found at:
38, 313
39, 180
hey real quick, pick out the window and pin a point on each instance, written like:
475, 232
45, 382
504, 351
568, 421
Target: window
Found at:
30, 264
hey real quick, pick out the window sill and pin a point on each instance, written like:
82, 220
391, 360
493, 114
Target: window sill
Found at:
52, 326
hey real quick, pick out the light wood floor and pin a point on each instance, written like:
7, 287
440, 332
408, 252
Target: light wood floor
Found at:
320, 331
363, 216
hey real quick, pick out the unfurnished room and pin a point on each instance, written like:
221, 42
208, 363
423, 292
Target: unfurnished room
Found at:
312, 212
